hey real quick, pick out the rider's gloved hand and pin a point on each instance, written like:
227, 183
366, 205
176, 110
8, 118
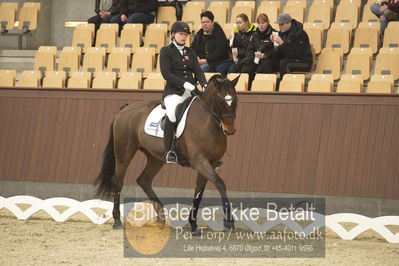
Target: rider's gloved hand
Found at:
188, 86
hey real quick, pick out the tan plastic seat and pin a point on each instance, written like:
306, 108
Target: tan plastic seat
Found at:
79, 80
73, 49
387, 62
54, 79
271, 11
44, 61
83, 38
292, 83
339, 37
391, 37
51, 49
107, 37
358, 64
264, 82
7, 17
155, 37
242, 84
166, 15
320, 12
276, 3
154, 81
28, 18
228, 29
297, 12
36, 5
367, 37
104, 80
315, 34
196, 4
347, 12
131, 36
192, 15
220, 3
30, 78
119, 60
143, 60
350, 84
208, 75
68, 61
321, 83
368, 16
330, 62
380, 84
94, 59
7, 77
220, 13
236, 10
130, 80
329, 3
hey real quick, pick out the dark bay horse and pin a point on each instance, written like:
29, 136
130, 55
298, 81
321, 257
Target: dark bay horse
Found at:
202, 144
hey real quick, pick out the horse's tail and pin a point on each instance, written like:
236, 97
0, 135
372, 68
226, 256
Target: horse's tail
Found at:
104, 178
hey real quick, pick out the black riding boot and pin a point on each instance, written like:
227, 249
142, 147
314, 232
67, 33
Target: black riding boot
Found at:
169, 139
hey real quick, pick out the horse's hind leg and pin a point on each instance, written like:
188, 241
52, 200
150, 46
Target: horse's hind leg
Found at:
146, 177
198, 193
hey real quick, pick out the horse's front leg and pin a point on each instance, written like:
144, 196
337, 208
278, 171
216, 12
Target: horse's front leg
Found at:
208, 171
198, 193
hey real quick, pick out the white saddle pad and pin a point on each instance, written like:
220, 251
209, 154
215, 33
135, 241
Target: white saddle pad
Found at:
152, 125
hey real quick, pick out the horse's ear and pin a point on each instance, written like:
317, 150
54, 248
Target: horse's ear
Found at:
235, 81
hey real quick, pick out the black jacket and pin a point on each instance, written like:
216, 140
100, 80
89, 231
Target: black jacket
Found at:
177, 69
260, 41
216, 48
241, 42
128, 7
296, 43
114, 9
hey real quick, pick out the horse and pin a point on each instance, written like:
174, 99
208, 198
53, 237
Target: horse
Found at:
202, 145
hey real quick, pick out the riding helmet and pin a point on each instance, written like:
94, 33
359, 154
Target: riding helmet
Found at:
180, 26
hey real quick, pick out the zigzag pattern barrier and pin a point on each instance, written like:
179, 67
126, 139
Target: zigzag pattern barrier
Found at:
333, 221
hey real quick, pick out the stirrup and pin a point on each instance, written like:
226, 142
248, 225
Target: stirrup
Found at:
171, 157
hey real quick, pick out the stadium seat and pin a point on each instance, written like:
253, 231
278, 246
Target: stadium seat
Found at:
143, 60
155, 37
387, 62
44, 61
192, 15
228, 29
131, 36
30, 78
350, 84
51, 49
339, 37
75, 49
208, 75
28, 18
13, 5
264, 82
393, 24
347, 12
7, 77
320, 12
79, 80
330, 62
119, 60
130, 80
329, 3
54, 79
220, 3
68, 61
391, 37
220, 13
7, 17
36, 5
242, 84
315, 34
368, 16
367, 37
154, 81
166, 15
94, 59
321, 83
104, 80
292, 83
272, 13
358, 64
196, 4
380, 84
297, 12
83, 38
302, 3
247, 10
106, 37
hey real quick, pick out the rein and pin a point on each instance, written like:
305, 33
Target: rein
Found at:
217, 115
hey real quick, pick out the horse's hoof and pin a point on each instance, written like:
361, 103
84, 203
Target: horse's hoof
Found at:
229, 225
196, 233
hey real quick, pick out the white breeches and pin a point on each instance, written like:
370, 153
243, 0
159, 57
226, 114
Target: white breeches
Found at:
171, 102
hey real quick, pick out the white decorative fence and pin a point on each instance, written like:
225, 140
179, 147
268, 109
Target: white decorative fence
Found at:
333, 221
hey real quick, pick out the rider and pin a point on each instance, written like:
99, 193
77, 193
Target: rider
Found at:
181, 70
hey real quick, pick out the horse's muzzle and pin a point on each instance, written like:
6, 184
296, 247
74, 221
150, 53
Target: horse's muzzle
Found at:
229, 133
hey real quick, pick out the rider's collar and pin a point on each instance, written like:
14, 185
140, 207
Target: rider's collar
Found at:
179, 47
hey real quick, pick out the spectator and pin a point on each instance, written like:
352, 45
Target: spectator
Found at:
104, 9
240, 41
292, 51
211, 45
136, 11
386, 11
260, 47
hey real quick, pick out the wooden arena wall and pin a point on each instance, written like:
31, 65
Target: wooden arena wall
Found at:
342, 145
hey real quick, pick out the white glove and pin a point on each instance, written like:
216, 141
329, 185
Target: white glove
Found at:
188, 86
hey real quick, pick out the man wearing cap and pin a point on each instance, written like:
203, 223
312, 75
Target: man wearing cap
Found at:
292, 50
